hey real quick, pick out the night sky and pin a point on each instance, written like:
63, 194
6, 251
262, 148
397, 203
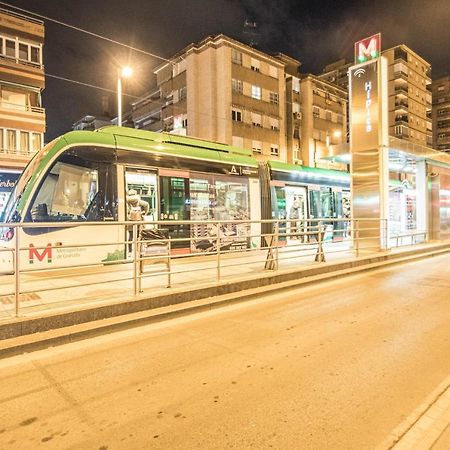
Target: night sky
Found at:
316, 32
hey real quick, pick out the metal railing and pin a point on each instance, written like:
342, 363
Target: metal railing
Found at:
194, 252
21, 107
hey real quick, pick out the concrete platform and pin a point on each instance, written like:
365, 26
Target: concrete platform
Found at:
52, 328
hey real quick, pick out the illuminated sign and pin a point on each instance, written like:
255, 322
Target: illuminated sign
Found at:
367, 49
364, 104
33, 252
8, 181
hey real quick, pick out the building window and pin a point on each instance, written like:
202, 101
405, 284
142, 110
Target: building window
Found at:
236, 115
254, 65
274, 98
273, 72
328, 115
257, 146
237, 141
10, 48
295, 85
274, 124
274, 151
11, 140
183, 93
316, 111
340, 118
256, 92
24, 142
237, 86
35, 54
296, 155
22, 51
236, 56
256, 120
36, 142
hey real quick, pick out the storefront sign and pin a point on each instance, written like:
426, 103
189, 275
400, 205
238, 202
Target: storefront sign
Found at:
8, 181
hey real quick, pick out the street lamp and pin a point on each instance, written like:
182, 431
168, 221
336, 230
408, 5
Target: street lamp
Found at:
124, 73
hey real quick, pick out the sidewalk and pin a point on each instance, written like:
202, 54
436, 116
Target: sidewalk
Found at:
111, 301
428, 427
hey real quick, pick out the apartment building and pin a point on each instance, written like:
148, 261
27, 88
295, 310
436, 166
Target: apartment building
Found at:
336, 73
324, 121
441, 113
293, 114
409, 84
221, 90
22, 118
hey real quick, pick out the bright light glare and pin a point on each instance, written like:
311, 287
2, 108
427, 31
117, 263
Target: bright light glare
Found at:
127, 71
337, 133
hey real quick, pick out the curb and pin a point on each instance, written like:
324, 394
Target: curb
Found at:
31, 333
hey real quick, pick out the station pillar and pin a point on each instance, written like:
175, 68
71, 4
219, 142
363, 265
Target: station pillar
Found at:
369, 147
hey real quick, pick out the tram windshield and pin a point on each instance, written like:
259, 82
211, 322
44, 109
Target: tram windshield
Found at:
10, 214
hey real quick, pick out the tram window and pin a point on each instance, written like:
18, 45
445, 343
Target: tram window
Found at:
75, 189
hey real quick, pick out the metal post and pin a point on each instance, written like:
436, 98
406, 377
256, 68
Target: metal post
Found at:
119, 101
386, 230
277, 235
320, 256
169, 264
136, 285
356, 236
218, 251
17, 273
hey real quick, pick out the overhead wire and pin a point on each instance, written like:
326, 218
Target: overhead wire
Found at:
113, 41
88, 85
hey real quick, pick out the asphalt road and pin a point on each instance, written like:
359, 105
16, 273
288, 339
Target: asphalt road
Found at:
337, 365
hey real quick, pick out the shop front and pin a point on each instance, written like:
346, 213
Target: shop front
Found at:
7, 183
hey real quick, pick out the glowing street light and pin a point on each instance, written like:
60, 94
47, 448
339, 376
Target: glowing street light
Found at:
126, 72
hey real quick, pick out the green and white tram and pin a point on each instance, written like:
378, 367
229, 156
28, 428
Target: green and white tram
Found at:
83, 177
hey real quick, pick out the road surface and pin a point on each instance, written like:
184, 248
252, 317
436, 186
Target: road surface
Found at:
336, 365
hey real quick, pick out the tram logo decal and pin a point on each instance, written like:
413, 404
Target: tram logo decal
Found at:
40, 254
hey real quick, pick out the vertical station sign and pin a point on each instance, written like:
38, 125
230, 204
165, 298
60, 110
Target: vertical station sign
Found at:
364, 106
368, 137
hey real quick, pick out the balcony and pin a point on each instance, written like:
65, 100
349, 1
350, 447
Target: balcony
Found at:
400, 119
401, 105
401, 131
400, 54
19, 107
21, 116
401, 91
400, 75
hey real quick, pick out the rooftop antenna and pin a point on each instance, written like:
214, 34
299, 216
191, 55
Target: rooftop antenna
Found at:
250, 29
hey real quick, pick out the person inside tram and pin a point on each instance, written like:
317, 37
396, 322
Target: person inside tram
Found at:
136, 210
294, 215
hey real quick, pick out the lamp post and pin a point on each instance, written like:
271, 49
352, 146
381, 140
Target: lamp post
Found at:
124, 73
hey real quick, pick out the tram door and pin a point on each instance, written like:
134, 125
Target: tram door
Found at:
295, 211
141, 198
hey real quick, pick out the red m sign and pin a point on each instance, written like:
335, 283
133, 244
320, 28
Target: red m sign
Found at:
33, 252
367, 49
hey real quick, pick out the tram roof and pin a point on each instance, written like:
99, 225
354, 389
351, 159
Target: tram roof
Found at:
329, 174
168, 138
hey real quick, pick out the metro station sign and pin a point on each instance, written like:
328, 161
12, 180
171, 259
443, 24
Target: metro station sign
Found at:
368, 49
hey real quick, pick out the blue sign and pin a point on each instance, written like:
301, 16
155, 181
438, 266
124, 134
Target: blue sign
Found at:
8, 181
